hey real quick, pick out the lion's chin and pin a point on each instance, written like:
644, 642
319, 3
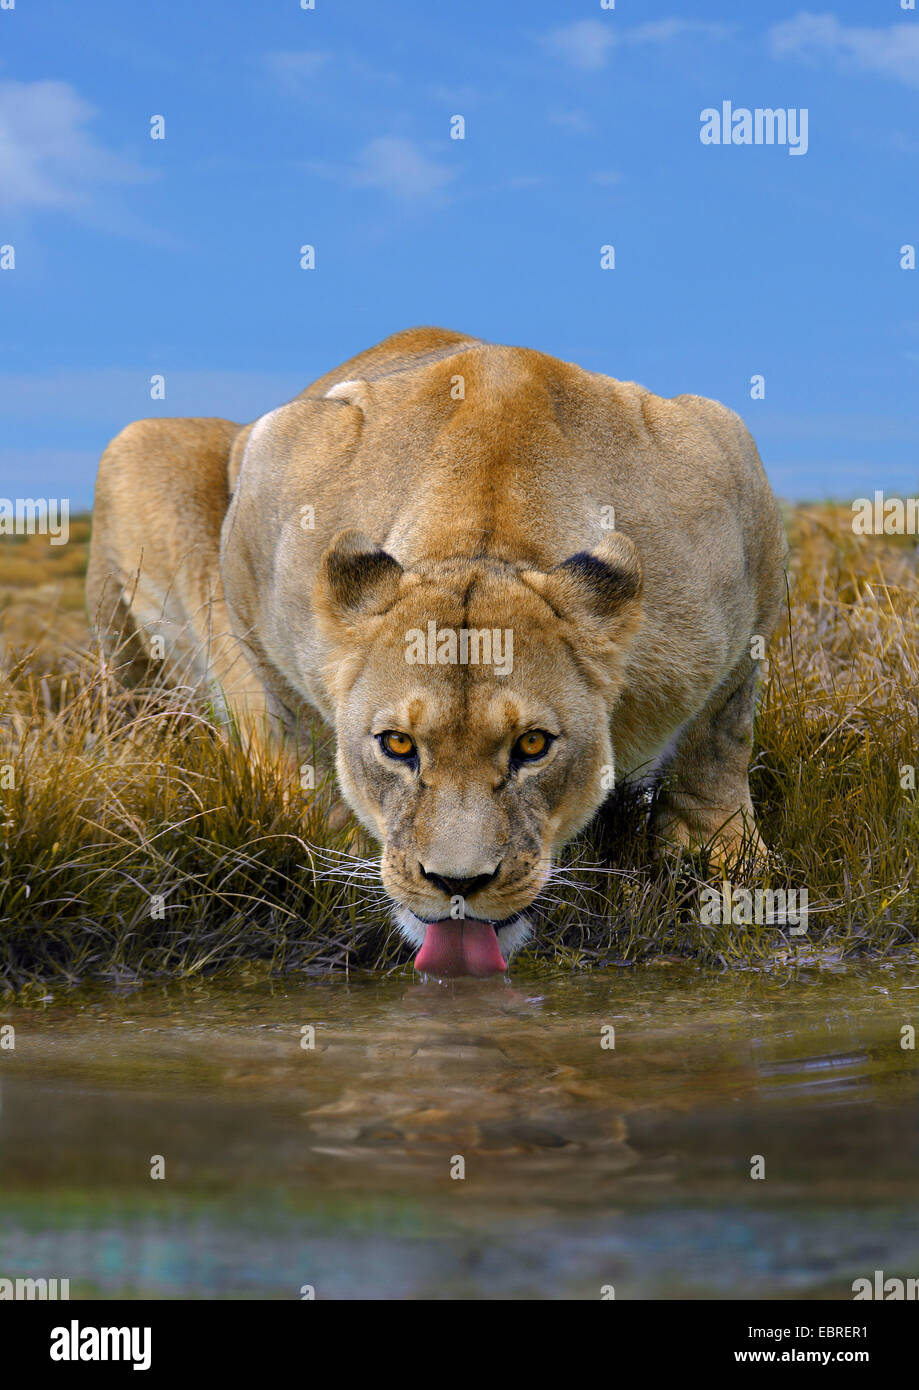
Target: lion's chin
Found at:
466, 946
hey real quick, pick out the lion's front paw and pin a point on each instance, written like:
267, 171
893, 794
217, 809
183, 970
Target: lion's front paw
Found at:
729, 840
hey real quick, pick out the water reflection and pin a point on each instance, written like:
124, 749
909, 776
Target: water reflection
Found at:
605, 1125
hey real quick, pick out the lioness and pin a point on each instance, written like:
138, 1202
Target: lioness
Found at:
493, 573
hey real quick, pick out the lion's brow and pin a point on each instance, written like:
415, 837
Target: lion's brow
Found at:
414, 711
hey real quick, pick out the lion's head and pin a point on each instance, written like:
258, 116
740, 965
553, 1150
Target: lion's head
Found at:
472, 703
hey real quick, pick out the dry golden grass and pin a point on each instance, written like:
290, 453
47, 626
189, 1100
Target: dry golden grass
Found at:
113, 801
42, 608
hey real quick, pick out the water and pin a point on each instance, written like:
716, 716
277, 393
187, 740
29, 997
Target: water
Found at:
585, 1166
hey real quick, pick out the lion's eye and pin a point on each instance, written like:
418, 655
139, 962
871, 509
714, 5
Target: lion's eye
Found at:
531, 745
397, 745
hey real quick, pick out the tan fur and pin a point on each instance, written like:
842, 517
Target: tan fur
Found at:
451, 480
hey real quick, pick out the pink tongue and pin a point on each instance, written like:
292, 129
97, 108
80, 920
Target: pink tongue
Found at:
460, 948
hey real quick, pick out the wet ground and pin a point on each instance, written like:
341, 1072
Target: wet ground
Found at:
472, 1140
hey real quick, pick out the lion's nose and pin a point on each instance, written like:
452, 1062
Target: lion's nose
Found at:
460, 887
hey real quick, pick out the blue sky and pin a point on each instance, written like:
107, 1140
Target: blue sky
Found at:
332, 127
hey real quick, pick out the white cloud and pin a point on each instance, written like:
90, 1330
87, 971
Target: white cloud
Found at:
524, 181
889, 52
584, 44
458, 95
587, 43
48, 157
663, 30
304, 73
391, 164
294, 70
577, 121
399, 167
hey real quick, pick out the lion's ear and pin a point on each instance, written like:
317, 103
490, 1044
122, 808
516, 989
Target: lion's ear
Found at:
599, 588
356, 579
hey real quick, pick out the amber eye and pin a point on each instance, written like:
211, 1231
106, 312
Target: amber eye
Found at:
531, 745
397, 745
